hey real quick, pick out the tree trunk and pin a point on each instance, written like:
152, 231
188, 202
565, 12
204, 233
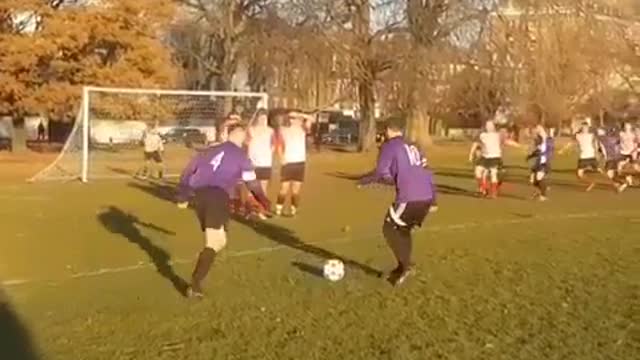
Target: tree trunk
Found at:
366, 100
419, 124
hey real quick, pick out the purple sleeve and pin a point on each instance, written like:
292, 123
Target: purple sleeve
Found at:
184, 188
382, 174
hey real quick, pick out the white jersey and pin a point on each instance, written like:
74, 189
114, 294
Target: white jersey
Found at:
586, 145
261, 146
294, 141
627, 143
491, 145
152, 142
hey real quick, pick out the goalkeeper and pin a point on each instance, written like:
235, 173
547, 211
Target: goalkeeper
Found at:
153, 149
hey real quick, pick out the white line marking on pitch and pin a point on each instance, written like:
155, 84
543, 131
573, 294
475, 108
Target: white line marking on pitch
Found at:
342, 239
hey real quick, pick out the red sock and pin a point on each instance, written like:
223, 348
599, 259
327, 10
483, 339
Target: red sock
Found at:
494, 189
482, 185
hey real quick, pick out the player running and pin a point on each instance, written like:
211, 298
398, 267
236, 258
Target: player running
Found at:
211, 176
293, 154
609, 144
489, 165
542, 153
402, 165
587, 144
260, 147
153, 148
628, 151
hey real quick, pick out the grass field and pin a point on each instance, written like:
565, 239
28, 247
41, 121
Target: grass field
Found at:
89, 272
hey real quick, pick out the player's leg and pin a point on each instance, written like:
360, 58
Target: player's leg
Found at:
493, 177
296, 187
397, 227
585, 165
480, 175
159, 163
541, 183
213, 213
285, 189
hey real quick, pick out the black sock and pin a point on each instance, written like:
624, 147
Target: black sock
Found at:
399, 240
205, 260
281, 199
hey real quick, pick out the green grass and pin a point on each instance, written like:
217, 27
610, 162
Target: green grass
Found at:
506, 279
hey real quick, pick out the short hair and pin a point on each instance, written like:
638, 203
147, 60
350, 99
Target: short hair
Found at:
235, 126
262, 112
396, 122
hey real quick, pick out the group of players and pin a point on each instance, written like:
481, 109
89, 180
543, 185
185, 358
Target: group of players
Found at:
210, 180
618, 149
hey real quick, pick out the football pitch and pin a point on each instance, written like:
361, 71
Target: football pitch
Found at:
90, 271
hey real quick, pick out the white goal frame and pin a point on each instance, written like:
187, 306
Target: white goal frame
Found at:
82, 122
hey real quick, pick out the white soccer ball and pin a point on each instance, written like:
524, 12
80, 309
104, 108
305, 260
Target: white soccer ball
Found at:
333, 270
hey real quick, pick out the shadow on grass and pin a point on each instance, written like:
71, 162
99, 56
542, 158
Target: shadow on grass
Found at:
15, 339
286, 237
125, 224
309, 269
166, 192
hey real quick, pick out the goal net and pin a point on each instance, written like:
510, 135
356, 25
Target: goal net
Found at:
106, 140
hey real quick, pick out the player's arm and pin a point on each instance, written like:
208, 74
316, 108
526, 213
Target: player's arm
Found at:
184, 187
474, 147
382, 173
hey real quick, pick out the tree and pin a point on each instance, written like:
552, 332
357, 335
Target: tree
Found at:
46, 57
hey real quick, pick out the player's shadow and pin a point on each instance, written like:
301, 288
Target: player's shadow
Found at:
309, 269
288, 238
15, 339
166, 192
122, 223
347, 176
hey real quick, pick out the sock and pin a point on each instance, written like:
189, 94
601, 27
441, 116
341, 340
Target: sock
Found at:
629, 180
542, 185
494, 189
482, 185
295, 201
205, 260
280, 203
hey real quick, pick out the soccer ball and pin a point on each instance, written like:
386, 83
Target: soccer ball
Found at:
333, 270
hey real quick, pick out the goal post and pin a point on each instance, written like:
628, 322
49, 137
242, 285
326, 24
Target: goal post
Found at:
106, 140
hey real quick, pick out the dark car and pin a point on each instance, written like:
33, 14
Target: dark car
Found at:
6, 143
344, 136
187, 135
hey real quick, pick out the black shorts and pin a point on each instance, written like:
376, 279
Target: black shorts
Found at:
611, 165
212, 207
263, 173
588, 164
153, 156
408, 215
491, 163
293, 172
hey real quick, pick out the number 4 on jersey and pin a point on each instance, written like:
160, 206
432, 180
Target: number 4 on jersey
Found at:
216, 161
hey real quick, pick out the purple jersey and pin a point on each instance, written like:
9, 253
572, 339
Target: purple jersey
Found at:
221, 166
403, 165
610, 146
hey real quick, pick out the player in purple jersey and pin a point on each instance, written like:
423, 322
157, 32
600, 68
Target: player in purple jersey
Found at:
211, 177
609, 144
541, 154
402, 165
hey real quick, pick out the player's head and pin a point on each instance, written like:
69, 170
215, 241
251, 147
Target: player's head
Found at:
237, 133
628, 127
395, 126
585, 127
490, 126
541, 131
261, 118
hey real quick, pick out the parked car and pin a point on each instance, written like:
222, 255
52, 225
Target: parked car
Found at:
186, 135
6, 143
344, 136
